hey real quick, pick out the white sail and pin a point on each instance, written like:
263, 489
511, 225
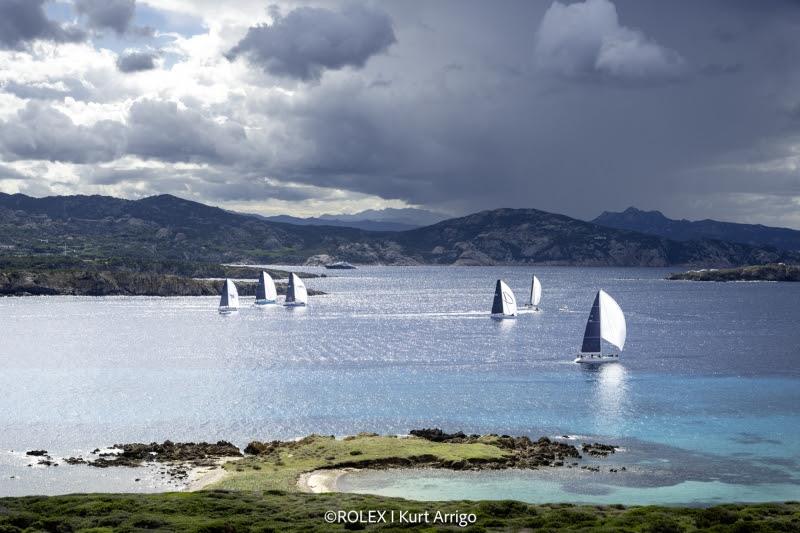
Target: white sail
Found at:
536, 291
505, 304
230, 296
296, 293
612, 321
266, 293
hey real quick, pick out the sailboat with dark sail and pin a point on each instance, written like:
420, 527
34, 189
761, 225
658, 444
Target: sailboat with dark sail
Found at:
265, 292
296, 293
504, 304
606, 323
229, 301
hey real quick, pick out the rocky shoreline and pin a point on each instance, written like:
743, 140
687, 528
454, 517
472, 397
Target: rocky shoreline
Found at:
110, 283
181, 461
769, 272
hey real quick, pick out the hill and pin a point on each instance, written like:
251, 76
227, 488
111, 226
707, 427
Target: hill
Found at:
169, 228
366, 224
655, 223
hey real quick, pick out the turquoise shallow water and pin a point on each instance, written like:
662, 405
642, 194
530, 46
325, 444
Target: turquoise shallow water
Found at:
706, 393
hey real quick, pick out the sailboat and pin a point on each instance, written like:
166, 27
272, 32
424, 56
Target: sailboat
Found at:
229, 302
504, 304
265, 292
606, 323
296, 294
536, 294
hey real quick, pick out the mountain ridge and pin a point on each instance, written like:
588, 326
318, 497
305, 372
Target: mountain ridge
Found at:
169, 227
656, 223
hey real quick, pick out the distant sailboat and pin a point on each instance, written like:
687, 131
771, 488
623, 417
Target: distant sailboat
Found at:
265, 293
536, 294
606, 322
229, 302
504, 305
296, 294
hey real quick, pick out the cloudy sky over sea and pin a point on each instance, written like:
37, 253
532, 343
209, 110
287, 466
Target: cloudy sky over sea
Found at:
310, 107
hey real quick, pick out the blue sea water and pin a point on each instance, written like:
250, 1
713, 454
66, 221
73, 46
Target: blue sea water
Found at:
705, 401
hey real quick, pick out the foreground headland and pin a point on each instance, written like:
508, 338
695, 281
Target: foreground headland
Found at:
290, 486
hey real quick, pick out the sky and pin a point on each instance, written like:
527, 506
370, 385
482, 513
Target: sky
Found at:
304, 108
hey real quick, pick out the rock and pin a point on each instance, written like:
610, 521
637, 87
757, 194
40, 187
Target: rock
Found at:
37, 453
437, 435
598, 450
320, 260
136, 454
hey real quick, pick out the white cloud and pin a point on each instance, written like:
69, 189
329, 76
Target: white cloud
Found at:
586, 39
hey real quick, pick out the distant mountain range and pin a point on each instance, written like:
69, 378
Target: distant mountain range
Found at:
389, 219
655, 223
169, 228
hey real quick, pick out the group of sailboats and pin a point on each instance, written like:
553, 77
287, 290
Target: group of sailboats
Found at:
606, 320
505, 303
266, 294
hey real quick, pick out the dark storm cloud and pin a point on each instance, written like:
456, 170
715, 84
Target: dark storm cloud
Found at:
164, 131
524, 122
115, 15
137, 61
24, 21
39, 131
310, 40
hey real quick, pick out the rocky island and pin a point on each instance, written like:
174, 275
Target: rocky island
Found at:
769, 272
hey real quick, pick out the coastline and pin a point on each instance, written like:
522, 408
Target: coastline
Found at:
322, 480
202, 477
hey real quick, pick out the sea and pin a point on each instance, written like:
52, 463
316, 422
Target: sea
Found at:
704, 403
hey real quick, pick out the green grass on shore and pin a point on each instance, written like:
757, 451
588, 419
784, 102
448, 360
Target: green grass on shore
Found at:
249, 511
279, 470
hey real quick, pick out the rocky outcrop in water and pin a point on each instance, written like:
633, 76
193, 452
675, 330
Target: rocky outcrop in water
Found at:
139, 454
770, 272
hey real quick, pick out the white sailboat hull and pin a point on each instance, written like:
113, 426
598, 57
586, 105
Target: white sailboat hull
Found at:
294, 304
228, 310
596, 358
500, 316
265, 302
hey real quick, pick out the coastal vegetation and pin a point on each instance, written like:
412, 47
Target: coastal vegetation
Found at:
277, 511
769, 272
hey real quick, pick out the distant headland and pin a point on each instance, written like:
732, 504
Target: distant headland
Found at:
770, 272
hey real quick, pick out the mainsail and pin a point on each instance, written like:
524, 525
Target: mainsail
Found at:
266, 289
296, 293
504, 303
606, 322
230, 296
536, 291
